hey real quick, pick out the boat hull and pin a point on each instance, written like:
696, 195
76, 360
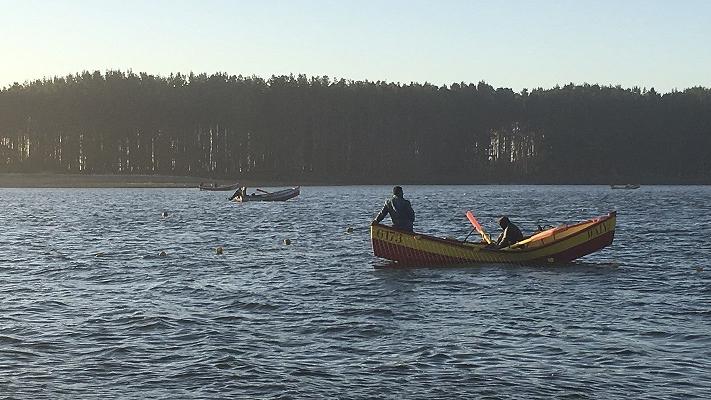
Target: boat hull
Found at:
558, 245
225, 188
628, 186
282, 195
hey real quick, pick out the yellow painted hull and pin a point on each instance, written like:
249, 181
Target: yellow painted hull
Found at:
560, 244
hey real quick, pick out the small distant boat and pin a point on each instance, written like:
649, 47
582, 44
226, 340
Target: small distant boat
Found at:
556, 245
627, 186
281, 195
218, 188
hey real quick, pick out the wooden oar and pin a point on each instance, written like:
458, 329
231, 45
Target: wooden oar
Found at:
478, 227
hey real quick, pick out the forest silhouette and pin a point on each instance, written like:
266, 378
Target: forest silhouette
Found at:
323, 130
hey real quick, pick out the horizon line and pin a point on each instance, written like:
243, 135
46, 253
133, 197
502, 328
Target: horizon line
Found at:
333, 79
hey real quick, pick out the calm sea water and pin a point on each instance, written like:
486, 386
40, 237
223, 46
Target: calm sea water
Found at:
90, 310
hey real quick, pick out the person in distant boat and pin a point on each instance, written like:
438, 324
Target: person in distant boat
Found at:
400, 210
510, 235
241, 193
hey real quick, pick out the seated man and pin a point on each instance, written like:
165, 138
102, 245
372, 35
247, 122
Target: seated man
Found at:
400, 210
510, 235
236, 194
241, 193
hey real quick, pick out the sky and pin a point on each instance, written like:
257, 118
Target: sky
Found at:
515, 44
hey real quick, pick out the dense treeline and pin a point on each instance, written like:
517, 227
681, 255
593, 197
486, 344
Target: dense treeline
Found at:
322, 130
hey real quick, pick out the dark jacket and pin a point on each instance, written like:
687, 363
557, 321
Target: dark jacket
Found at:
509, 236
401, 213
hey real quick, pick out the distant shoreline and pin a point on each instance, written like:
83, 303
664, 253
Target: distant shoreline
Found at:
52, 180
48, 180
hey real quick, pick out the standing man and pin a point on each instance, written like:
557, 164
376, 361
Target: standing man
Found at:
400, 210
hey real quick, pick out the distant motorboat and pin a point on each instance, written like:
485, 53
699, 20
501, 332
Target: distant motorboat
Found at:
627, 186
218, 188
281, 195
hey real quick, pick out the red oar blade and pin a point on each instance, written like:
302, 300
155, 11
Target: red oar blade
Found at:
478, 227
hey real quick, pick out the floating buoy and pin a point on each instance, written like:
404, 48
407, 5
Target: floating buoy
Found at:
165, 214
699, 269
287, 241
219, 250
349, 229
163, 254
99, 254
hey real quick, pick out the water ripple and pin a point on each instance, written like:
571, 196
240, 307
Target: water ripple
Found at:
90, 307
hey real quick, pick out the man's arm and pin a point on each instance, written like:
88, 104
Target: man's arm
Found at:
383, 213
505, 239
501, 238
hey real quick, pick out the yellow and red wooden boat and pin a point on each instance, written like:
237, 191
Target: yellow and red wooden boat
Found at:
556, 245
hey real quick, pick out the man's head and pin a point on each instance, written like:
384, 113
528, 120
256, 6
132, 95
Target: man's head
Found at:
397, 191
504, 222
